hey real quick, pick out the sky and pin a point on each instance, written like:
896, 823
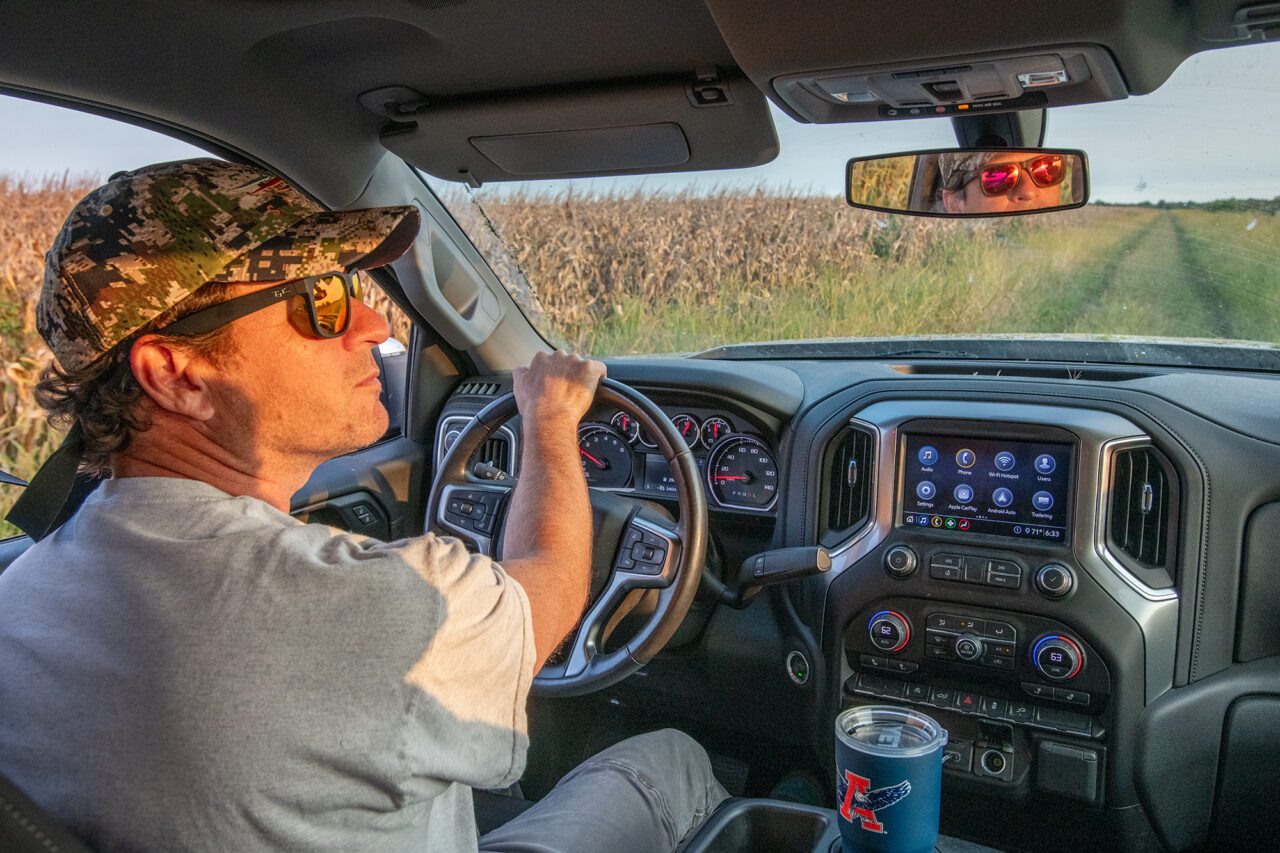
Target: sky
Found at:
1211, 131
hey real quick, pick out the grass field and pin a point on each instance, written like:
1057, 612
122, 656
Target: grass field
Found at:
640, 273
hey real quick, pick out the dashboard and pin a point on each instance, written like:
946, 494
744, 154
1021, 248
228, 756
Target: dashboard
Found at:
1046, 562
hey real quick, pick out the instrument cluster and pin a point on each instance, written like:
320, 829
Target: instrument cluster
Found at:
739, 468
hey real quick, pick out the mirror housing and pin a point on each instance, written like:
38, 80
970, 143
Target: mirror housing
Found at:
969, 182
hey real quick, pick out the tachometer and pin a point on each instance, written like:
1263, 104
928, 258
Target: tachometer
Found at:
742, 473
606, 458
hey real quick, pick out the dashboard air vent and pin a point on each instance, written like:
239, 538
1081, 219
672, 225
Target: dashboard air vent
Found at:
849, 463
1142, 502
496, 451
478, 389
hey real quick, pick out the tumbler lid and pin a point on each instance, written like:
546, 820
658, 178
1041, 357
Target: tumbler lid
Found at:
890, 731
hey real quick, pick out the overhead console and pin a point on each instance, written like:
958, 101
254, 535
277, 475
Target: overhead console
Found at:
1027, 79
919, 58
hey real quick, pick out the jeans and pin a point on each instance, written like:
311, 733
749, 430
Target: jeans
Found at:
643, 795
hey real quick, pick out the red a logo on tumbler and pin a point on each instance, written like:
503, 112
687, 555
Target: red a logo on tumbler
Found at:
862, 802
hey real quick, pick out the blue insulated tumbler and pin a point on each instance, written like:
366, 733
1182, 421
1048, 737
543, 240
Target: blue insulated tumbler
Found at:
888, 779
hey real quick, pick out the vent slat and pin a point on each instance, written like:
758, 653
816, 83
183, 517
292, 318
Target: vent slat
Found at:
847, 506
1143, 536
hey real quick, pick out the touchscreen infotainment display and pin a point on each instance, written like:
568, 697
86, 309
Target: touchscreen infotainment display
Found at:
1004, 487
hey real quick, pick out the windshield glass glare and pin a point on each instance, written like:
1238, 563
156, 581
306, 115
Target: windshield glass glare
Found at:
1180, 239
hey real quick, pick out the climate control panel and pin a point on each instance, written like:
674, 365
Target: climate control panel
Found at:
1026, 655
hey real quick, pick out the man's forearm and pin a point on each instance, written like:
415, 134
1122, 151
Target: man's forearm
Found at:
548, 533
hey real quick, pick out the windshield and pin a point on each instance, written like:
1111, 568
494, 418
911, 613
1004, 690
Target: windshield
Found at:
1180, 240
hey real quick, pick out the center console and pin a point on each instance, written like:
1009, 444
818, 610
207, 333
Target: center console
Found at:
982, 593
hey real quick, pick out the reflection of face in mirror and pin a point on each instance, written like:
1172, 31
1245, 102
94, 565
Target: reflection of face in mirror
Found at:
1002, 181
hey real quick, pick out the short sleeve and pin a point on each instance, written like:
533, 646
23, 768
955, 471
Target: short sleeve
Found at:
465, 719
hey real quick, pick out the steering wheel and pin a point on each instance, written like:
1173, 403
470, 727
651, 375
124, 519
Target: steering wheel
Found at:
636, 545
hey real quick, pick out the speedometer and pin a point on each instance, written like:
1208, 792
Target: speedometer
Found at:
606, 458
742, 473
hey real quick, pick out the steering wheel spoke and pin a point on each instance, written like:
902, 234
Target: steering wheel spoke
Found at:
473, 510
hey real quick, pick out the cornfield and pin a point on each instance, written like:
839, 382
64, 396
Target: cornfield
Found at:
643, 272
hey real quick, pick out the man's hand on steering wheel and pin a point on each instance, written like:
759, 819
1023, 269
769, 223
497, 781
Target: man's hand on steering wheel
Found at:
556, 388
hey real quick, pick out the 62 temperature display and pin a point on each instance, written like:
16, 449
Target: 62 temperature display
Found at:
742, 473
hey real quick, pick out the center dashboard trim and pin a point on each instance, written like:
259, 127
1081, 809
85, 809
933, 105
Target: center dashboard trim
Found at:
1154, 611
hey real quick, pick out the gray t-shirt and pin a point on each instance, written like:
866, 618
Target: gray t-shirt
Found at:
181, 669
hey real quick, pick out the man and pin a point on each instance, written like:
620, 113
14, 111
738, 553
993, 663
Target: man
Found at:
991, 182
185, 666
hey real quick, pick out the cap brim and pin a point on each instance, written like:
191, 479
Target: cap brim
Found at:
329, 241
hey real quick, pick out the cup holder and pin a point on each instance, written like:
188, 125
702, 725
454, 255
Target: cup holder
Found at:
765, 826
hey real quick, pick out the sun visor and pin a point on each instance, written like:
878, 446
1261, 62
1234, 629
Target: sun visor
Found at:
701, 123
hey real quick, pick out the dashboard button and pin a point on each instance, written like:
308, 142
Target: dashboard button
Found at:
950, 561
997, 662
1073, 697
968, 702
1003, 581
933, 638
1000, 631
1002, 497
975, 569
943, 697
970, 625
916, 693
993, 706
1040, 691
942, 621
939, 652
1007, 650
1063, 720
1020, 712
1054, 581
1006, 567
968, 648
900, 561
946, 573
891, 689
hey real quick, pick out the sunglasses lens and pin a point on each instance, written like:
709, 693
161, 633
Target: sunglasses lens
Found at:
330, 297
999, 178
1047, 171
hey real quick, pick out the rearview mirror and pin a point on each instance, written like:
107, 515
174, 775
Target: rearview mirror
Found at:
969, 181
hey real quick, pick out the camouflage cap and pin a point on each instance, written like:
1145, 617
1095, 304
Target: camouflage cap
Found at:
146, 240
953, 165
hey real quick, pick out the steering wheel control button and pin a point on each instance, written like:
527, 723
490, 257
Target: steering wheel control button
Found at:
1042, 501
926, 491
1055, 581
966, 457
1057, 658
1002, 497
889, 630
963, 493
927, 455
1005, 461
968, 648
900, 561
1045, 464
